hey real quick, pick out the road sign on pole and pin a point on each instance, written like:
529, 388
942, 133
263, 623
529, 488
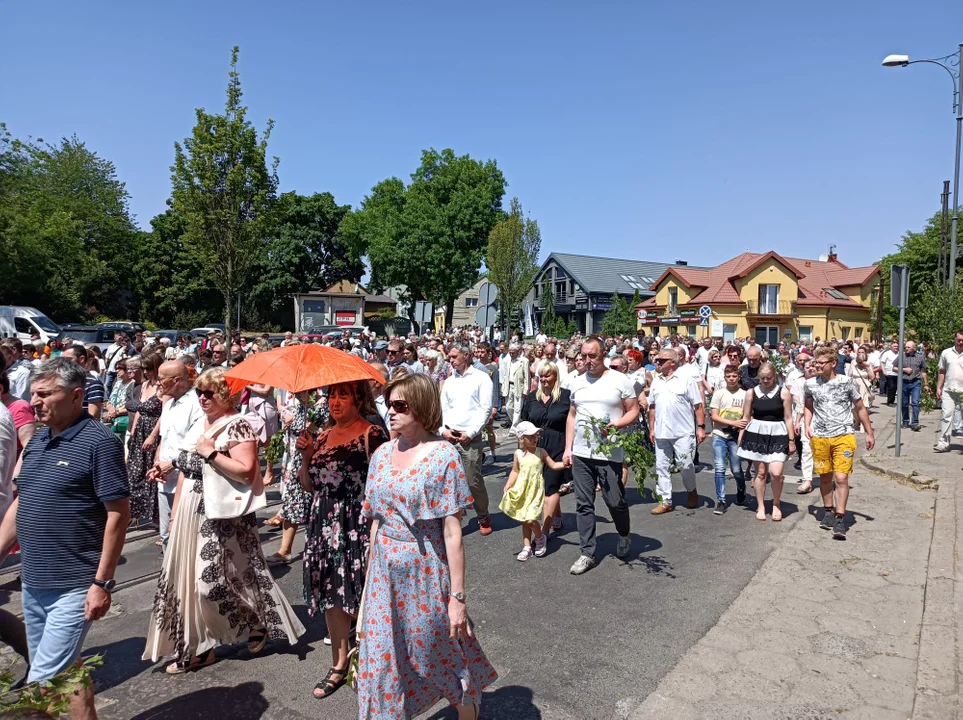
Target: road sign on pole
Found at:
487, 294
485, 316
899, 297
705, 312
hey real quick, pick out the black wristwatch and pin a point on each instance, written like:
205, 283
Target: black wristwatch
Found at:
702, 426
211, 456
107, 585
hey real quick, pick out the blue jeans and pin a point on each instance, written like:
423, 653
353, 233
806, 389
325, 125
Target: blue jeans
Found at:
911, 398
56, 628
723, 450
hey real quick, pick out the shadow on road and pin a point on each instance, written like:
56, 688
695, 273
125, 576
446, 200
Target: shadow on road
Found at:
511, 701
240, 702
121, 662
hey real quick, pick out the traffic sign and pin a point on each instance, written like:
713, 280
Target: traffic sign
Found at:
705, 312
704, 322
423, 311
487, 294
486, 316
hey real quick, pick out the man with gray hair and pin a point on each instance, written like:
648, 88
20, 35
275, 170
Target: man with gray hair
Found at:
70, 518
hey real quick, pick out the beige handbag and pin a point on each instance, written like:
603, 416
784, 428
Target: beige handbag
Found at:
225, 498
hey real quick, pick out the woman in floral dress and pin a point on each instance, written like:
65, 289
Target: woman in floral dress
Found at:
214, 587
417, 644
336, 544
141, 447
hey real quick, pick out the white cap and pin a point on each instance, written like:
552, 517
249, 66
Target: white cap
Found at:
525, 428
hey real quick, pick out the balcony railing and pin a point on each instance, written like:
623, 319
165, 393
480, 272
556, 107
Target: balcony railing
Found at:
778, 307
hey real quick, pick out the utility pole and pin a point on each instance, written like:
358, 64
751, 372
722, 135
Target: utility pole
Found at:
945, 205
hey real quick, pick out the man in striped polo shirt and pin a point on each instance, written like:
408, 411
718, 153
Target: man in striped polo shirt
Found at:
70, 517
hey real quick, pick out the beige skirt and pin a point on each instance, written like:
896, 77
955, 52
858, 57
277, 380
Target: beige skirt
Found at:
215, 586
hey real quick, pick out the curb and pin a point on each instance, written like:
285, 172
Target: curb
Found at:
921, 482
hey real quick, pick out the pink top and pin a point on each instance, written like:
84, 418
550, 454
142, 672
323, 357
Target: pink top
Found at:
22, 415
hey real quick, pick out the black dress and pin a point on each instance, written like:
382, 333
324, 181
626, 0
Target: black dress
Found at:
550, 418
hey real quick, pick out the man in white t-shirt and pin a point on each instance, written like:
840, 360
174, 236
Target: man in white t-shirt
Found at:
673, 402
888, 373
949, 388
702, 355
600, 394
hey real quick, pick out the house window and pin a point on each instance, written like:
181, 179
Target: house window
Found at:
560, 288
768, 299
673, 301
728, 334
806, 333
536, 290
471, 302
845, 330
313, 306
767, 334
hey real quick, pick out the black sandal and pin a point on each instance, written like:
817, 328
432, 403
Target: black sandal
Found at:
180, 667
257, 639
327, 686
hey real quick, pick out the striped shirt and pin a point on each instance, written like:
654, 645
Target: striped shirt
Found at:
63, 484
94, 393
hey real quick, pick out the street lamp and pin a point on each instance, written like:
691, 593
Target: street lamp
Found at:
953, 64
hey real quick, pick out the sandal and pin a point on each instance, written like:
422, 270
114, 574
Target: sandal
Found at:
327, 686
274, 522
257, 639
278, 559
179, 667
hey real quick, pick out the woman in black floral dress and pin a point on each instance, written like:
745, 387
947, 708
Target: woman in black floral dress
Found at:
334, 470
215, 587
144, 431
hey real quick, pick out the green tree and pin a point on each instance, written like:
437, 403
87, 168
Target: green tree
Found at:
306, 251
224, 189
920, 252
512, 257
550, 321
429, 236
619, 319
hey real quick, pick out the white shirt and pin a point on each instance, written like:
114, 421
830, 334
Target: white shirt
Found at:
115, 353
793, 375
691, 371
541, 337
675, 400
886, 360
382, 407
702, 358
466, 401
177, 418
951, 363
716, 377
873, 359
19, 376
8, 458
599, 398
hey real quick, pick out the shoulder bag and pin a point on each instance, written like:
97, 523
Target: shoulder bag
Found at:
225, 498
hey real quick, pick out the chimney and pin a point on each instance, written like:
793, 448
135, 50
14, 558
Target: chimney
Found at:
832, 254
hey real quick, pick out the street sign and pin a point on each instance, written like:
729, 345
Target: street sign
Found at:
423, 311
486, 316
704, 322
487, 294
717, 328
705, 311
899, 286
687, 313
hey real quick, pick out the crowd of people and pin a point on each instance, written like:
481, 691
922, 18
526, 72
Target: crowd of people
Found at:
382, 474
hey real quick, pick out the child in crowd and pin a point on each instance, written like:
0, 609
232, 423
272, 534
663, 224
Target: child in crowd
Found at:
525, 490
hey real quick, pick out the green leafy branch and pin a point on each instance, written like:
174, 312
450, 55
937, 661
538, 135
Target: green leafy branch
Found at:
51, 697
634, 446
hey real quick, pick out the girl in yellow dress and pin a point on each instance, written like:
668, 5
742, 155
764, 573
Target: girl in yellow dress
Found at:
525, 490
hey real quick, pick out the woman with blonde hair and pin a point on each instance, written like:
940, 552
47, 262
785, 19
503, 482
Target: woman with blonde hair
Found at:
214, 587
864, 374
547, 409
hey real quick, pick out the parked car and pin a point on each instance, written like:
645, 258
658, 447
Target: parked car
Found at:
23, 322
170, 334
201, 332
128, 327
88, 335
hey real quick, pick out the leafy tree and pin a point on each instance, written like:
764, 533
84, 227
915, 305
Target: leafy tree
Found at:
550, 321
307, 251
619, 320
512, 258
224, 189
572, 327
920, 252
430, 235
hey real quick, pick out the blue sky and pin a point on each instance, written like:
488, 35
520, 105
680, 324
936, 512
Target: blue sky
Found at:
690, 130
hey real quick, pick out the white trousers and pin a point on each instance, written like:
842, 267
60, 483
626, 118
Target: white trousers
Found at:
952, 401
681, 451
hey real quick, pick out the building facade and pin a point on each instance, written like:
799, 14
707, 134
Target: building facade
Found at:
767, 296
343, 304
466, 307
581, 286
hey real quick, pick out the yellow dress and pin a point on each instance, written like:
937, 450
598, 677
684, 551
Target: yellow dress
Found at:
524, 499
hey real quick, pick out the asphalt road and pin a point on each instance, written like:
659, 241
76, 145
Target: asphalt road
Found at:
565, 647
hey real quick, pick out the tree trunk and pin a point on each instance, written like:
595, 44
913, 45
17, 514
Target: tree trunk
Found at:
228, 325
449, 312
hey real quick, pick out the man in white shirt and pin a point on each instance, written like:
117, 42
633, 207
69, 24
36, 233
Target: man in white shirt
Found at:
518, 379
18, 369
504, 363
181, 412
541, 338
702, 355
608, 395
672, 404
466, 406
888, 374
120, 350
949, 388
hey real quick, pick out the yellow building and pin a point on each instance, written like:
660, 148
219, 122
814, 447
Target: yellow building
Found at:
768, 296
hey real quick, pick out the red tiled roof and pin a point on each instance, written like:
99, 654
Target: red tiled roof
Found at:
814, 277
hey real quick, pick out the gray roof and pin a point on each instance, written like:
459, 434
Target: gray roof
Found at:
611, 275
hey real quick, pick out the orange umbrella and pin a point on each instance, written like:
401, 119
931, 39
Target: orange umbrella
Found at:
300, 367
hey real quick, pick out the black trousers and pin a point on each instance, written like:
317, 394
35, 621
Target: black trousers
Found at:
586, 474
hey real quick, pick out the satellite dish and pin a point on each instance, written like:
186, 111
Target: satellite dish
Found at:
824, 258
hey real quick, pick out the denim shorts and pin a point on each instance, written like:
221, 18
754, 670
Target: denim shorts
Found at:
55, 629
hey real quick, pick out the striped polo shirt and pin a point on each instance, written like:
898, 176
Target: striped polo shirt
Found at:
63, 484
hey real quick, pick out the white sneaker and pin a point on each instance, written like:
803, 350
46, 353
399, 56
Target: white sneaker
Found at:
582, 565
541, 545
941, 448
524, 554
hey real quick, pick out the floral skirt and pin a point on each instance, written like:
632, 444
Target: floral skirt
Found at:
335, 552
214, 588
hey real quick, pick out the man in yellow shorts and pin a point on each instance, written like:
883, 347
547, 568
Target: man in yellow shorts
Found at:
831, 402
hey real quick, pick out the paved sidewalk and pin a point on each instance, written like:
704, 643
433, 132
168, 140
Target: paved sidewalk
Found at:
861, 628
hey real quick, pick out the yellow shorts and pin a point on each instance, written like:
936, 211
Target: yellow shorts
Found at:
834, 454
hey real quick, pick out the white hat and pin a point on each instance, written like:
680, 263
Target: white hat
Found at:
525, 428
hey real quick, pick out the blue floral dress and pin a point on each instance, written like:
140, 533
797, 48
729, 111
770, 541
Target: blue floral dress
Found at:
336, 542
407, 661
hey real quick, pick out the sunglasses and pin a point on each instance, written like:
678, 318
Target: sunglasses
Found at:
659, 361
399, 406
393, 352
206, 394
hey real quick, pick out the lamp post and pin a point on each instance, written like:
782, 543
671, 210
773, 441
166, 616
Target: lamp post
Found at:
953, 64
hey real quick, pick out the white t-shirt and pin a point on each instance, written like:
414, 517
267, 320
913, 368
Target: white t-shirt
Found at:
716, 377
951, 363
730, 407
598, 398
886, 360
675, 400
8, 458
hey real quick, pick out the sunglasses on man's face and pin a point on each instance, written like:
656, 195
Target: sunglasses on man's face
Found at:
393, 352
659, 361
399, 406
206, 394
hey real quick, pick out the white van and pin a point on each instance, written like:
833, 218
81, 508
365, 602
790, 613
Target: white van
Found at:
22, 322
